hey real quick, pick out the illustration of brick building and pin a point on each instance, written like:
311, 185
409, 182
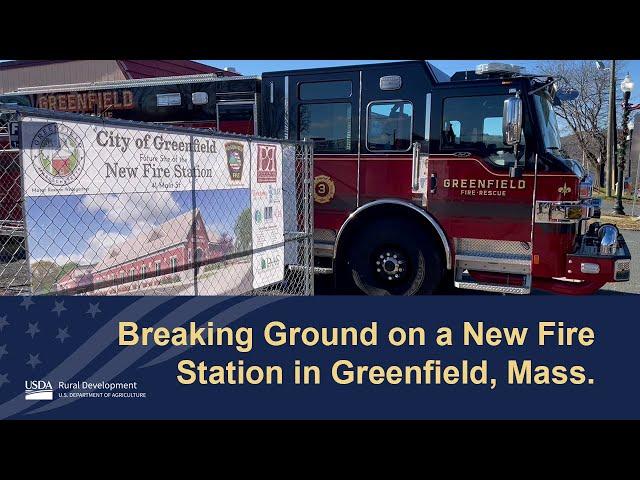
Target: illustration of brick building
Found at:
160, 255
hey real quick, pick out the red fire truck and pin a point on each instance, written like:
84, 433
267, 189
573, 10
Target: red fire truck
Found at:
420, 178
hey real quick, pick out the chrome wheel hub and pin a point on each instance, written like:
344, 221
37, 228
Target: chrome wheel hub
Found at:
390, 264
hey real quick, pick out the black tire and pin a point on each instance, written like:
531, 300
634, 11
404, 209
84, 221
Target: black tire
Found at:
394, 244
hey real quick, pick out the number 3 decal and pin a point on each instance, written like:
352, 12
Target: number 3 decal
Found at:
323, 189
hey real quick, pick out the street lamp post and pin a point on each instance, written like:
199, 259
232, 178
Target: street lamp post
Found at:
626, 86
611, 129
611, 126
630, 126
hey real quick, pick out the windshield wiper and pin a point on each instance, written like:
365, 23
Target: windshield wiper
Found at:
552, 148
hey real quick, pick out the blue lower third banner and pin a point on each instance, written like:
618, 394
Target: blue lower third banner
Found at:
319, 358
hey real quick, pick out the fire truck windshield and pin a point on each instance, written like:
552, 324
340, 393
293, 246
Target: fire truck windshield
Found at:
547, 120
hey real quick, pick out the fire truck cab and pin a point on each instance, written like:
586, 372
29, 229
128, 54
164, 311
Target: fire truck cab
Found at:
421, 178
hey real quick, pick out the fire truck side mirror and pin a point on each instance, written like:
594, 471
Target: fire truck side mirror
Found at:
512, 121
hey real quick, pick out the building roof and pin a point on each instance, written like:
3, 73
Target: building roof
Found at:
214, 237
11, 64
136, 68
167, 68
160, 237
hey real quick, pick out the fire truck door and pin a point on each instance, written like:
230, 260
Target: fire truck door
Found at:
324, 107
485, 212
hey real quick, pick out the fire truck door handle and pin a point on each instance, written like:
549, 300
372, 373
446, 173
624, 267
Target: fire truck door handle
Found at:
415, 173
433, 183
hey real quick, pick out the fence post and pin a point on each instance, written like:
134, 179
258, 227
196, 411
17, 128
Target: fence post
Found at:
307, 221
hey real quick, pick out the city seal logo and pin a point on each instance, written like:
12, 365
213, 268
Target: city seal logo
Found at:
60, 154
235, 159
323, 189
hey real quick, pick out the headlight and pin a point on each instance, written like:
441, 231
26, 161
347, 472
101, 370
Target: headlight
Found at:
608, 235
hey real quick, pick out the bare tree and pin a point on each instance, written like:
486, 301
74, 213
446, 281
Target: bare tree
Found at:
585, 118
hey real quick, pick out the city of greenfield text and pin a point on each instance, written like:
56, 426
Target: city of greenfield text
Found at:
345, 372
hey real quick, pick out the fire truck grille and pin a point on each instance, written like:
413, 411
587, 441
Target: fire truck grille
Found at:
324, 235
493, 248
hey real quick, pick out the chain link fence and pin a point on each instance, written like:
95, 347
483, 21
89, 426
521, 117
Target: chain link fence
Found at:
96, 206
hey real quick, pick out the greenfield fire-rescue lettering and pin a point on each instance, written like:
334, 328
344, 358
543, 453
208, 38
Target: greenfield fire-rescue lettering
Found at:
484, 187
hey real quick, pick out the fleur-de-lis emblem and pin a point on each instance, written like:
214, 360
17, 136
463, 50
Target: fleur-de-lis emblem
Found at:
564, 189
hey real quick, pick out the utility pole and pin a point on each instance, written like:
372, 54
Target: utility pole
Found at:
611, 130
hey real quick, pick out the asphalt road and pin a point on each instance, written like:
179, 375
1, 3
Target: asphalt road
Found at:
323, 283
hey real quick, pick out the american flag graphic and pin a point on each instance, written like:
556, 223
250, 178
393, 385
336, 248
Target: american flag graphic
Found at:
75, 339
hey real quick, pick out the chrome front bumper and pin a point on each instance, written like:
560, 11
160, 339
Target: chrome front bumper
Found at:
567, 212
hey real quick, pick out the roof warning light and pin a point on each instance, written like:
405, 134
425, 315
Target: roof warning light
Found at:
498, 68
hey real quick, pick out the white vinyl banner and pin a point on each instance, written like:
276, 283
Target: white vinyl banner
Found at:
71, 158
111, 209
267, 224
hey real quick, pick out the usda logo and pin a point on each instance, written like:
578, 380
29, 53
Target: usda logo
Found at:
38, 390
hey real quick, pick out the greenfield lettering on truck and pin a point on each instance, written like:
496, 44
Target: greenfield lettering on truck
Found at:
484, 187
482, 183
87, 102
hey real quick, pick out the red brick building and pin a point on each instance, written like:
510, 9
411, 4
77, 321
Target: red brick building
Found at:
150, 258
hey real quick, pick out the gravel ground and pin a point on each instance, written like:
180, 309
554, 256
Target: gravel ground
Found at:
607, 206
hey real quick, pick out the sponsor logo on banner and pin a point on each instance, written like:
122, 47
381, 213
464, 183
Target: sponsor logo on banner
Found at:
59, 154
267, 170
235, 159
269, 262
266, 215
38, 390
275, 194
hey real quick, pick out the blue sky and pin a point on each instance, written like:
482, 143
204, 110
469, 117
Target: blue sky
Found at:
256, 67
72, 232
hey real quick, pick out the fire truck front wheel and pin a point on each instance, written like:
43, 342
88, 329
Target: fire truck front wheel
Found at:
391, 257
